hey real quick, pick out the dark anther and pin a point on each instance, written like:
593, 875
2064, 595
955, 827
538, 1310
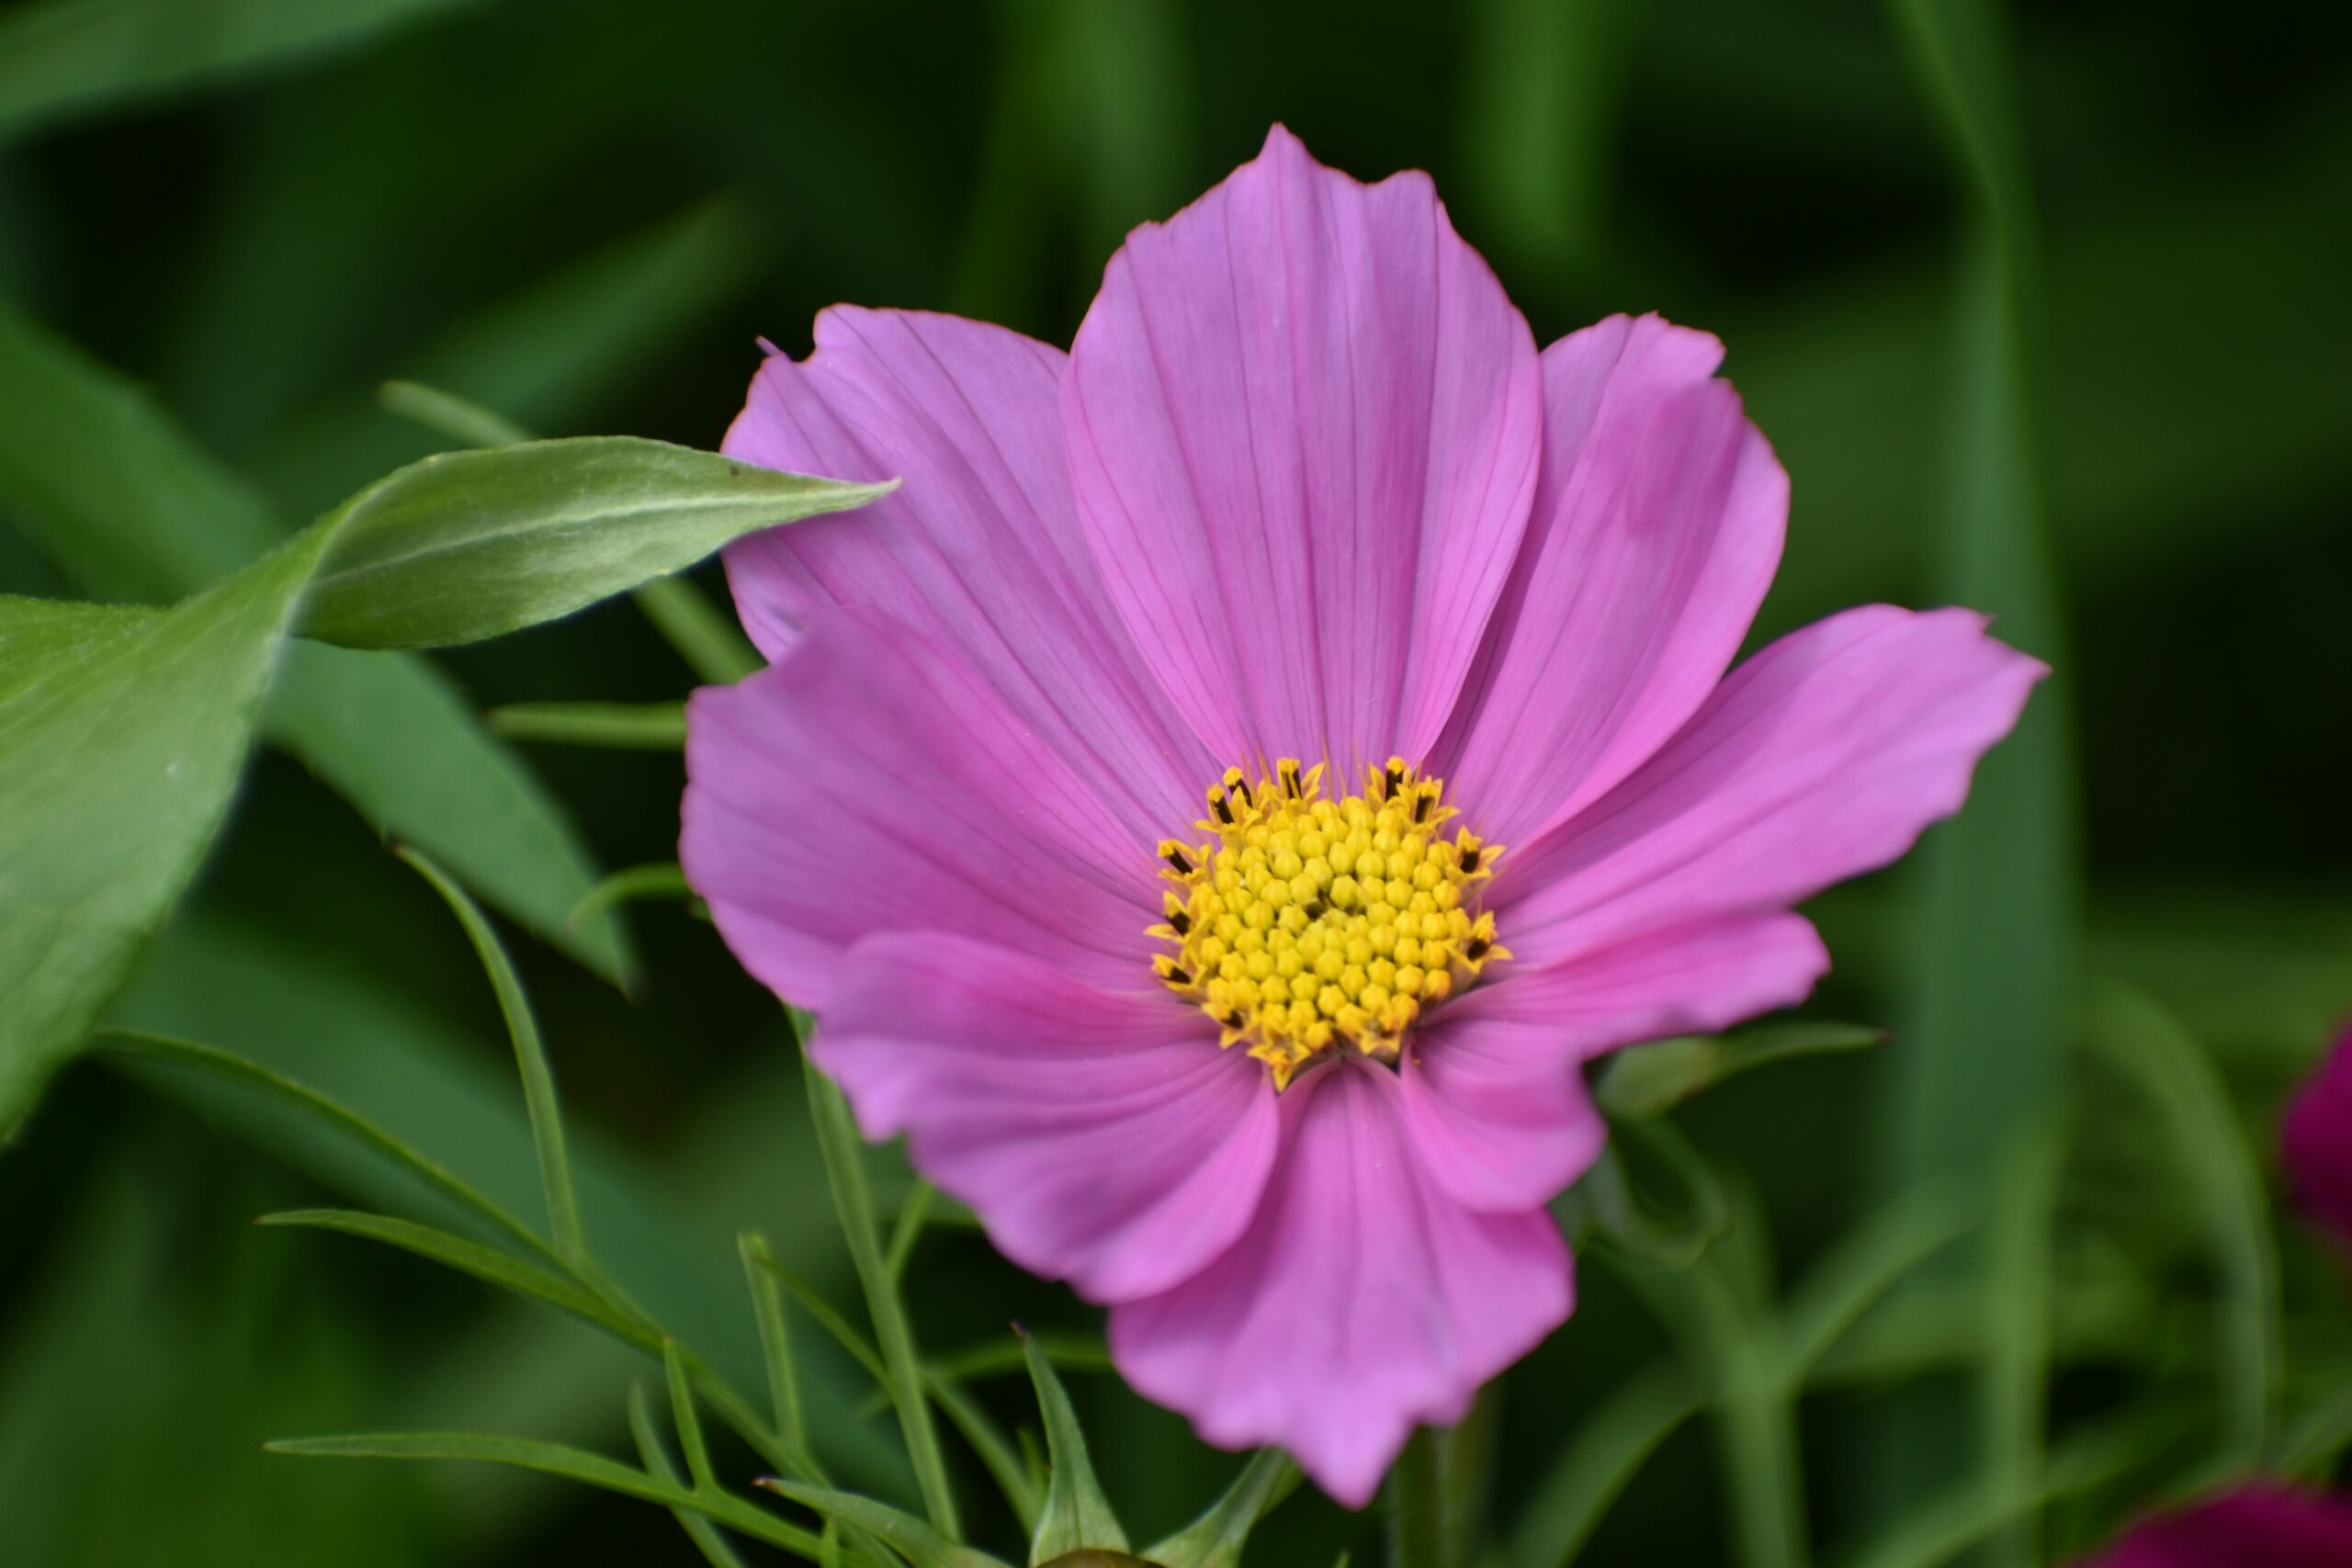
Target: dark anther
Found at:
1315, 911
1290, 780
1242, 788
1181, 921
1478, 949
1390, 780
1234, 1019
1421, 808
1469, 861
1217, 804
1176, 858
1176, 976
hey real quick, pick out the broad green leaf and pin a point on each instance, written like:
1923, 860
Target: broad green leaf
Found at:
628, 726
917, 1542
1076, 1516
573, 1464
60, 59
838, 1139
709, 642
471, 545
1216, 1539
133, 510
530, 1062
122, 736
1649, 1081
656, 1460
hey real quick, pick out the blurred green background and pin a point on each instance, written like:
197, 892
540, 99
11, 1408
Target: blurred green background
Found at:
2046, 312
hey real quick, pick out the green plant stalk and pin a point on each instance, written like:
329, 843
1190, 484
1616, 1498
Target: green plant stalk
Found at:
837, 1138
620, 727
1416, 1508
711, 646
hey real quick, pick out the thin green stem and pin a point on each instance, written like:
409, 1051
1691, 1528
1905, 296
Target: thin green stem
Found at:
843, 1152
704, 638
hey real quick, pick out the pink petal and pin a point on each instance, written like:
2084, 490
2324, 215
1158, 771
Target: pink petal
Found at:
979, 550
1102, 1136
1359, 1302
2316, 1141
1656, 527
868, 783
1303, 425
2260, 1526
1822, 757
1494, 1091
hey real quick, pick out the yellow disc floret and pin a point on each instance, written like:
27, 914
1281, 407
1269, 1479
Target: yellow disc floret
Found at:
1306, 924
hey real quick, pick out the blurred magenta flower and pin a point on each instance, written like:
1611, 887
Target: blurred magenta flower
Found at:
2258, 1527
2316, 1141
1304, 527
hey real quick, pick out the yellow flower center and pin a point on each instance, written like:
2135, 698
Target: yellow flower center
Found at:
1305, 922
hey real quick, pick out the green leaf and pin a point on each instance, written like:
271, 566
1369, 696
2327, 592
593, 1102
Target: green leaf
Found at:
188, 1055
776, 1348
1650, 1081
67, 58
555, 1459
628, 726
838, 1139
133, 510
1607, 1449
657, 1464
683, 1416
2148, 1048
487, 1264
1216, 1539
467, 423
122, 736
530, 1062
1649, 1196
661, 879
1076, 1516
471, 545
917, 1542
710, 643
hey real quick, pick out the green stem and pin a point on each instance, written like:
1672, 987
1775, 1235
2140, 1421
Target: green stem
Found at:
694, 626
1416, 1511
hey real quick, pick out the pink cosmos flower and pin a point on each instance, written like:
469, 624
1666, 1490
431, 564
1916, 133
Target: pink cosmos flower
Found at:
1220, 802
2257, 1527
2316, 1141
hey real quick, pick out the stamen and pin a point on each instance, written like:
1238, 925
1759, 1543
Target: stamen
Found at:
1307, 922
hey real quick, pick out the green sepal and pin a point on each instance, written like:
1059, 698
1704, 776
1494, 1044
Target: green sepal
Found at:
1216, 1539
1076, 1516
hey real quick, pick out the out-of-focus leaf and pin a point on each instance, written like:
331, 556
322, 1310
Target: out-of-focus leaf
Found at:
628, 726
1216, 1538
1650, 1196
663, 880
2017, 1296
133, 510
917, 1542
1858, 1271
1076, 1516
1649, 1081
2309, 1448
487, 1264
189, 1056
467, 423
472, 545
1542, 98
65, 58
122, 735
548, 357
1603, 1454
2139, 1041
555, 1459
